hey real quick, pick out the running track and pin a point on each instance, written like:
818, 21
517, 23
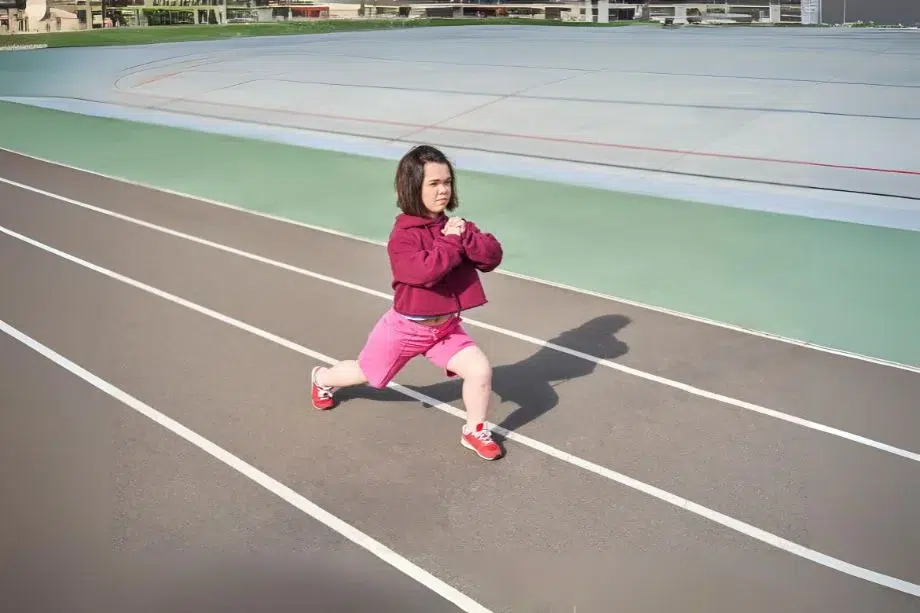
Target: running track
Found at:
157, 436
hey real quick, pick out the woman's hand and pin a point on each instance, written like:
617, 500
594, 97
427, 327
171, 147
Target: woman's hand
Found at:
454, 225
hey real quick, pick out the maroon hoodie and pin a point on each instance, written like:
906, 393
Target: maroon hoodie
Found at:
435, 274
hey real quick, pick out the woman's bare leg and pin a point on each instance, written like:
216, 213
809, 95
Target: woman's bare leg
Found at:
344, 374
472, 365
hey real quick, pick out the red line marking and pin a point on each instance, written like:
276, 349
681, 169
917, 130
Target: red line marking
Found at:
556, 139
155, 78
167, 75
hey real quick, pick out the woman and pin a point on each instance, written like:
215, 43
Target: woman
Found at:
435, 261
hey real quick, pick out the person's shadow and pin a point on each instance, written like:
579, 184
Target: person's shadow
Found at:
530, 384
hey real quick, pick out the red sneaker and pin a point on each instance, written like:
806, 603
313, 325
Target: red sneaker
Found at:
322, 395
480, 441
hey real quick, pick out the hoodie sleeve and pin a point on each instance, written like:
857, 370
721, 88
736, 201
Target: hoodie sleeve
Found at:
413, 265
481, 248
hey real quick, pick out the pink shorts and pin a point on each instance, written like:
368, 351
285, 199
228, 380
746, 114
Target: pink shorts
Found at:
395, 340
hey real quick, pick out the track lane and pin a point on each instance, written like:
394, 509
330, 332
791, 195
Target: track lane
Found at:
560, 536
113, 512
832, 390
775, 476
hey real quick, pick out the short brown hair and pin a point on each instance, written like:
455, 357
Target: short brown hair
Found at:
410, 173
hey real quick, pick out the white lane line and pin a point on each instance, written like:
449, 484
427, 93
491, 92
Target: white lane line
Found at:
380, 550
728, 400
554, 284
602, 471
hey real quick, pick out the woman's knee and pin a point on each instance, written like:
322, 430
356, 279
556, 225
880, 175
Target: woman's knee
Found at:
482, 373
472, 365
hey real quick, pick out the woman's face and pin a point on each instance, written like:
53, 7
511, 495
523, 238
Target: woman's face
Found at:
436, 188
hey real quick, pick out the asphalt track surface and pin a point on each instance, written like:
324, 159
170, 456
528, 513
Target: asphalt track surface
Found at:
131, 315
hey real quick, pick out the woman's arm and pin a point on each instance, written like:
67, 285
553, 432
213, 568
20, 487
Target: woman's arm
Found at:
481, 248
413, 265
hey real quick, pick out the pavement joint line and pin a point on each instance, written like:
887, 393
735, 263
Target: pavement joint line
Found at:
284, 492
656, 171
500, 271
727, 521
419, 128
684, 387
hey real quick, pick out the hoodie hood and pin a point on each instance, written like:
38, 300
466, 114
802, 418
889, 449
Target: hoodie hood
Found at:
404, 221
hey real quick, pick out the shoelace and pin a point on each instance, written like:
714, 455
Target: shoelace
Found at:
483, 435
325, 392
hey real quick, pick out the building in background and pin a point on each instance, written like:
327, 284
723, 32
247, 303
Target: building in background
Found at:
22, 15
882, 12
36, 17
720, 11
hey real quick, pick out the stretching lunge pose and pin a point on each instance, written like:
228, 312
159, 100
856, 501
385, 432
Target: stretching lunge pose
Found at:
435, 261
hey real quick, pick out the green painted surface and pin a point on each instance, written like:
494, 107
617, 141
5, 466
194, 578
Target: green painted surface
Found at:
842, 285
